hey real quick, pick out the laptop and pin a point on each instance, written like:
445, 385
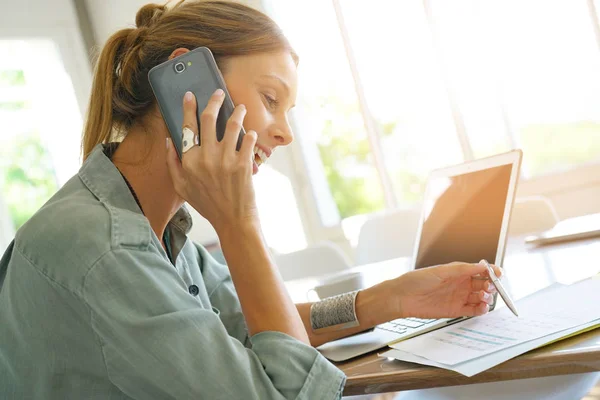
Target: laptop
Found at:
465, 217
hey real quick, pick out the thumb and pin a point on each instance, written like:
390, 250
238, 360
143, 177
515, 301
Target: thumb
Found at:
174, 166
473, 269
455, 269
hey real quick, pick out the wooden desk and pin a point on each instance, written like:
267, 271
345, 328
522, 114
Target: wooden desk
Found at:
373, 374
527, 270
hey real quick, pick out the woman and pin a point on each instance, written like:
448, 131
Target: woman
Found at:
101, 293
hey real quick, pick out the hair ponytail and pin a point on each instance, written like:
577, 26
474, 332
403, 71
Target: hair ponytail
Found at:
99, 122
121, 93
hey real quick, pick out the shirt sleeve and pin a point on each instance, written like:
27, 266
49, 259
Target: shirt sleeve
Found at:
223, 296
159, 342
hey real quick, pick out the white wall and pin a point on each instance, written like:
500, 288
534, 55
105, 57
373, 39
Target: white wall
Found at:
573, 193
108, 16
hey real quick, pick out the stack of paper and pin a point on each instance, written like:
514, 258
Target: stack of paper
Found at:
477, 344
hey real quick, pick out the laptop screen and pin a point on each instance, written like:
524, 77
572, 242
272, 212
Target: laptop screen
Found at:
463, 217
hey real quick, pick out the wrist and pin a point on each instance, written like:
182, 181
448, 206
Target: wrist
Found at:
378, 304
397, 294
237, 230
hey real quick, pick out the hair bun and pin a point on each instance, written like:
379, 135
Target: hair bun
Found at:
148, 15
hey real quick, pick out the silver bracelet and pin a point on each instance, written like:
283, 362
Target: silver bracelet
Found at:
334, 313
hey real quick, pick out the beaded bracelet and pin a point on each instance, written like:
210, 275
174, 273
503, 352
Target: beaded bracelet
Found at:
334, 313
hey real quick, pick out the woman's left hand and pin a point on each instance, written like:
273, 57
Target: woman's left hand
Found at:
445, 291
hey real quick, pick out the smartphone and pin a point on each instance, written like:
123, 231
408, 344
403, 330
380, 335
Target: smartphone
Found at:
195, 71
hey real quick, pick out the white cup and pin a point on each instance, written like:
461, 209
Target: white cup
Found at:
338, 285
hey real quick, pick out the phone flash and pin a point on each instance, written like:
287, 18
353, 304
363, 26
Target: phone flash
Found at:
189, 63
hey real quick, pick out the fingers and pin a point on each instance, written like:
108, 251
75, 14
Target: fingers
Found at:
233, 128
472, 310
480, 296
481, 284
190, 114
478, 303
208, 119
498, 271
476, 269
247, 148
458, 269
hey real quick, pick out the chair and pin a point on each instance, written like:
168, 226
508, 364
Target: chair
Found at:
532, 214
319, 259
388, 235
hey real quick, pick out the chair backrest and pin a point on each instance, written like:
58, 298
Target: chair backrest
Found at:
532, 214
388, 235
316, 260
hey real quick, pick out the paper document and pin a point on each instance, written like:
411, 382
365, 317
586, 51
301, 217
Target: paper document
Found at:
477, 365
542, 314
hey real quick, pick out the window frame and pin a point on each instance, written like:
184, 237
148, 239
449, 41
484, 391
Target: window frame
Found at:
581, 177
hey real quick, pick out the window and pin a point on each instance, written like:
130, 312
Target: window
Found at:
396, 89
332, 118
40, 127
521, 82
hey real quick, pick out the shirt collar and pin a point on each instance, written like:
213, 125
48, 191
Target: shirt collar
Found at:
104, 180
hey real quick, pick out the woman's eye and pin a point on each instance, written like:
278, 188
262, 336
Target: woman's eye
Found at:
271, 101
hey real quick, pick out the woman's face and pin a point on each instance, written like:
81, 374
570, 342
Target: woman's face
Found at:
267, 85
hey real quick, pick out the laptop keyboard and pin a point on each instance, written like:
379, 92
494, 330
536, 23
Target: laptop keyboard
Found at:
403, 325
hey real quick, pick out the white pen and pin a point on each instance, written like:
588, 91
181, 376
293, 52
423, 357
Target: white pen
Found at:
500, 288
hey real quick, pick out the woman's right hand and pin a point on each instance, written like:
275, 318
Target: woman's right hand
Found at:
214, 178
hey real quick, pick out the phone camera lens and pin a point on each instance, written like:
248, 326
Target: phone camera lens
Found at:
179, 67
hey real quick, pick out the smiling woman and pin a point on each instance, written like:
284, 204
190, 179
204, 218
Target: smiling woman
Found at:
150, 314
268, 97
130, 307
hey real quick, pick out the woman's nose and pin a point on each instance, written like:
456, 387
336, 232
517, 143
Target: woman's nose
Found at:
283, 135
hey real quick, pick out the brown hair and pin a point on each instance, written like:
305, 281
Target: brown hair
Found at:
121, 93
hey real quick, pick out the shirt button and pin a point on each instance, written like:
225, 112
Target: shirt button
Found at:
193, 289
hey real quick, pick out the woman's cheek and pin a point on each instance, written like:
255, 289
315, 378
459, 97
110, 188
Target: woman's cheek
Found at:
257, 119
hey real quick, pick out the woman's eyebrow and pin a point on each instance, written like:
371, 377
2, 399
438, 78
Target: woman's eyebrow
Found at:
278, 79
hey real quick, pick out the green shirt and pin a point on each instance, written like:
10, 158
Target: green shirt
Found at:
91, 307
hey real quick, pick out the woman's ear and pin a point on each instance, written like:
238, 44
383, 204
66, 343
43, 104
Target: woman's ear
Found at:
178, 52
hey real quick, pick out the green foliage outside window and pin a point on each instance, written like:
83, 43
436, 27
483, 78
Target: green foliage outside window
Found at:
27, 178
346, 157
547, 148
12, 78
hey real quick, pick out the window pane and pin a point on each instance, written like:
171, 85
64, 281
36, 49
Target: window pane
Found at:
279, 216
468, 54
27, 176
406, 95
551, 80
327, 97
41, 128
